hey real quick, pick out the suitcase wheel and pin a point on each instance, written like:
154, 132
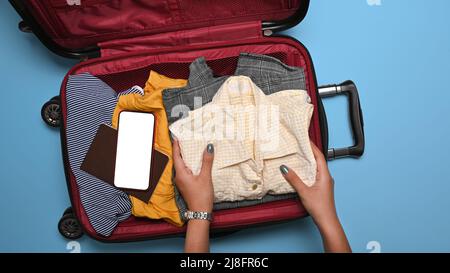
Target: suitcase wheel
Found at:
68, 211
69, 226
24, 27
51, 112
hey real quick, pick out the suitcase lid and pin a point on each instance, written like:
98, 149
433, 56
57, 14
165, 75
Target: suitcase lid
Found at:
74, 28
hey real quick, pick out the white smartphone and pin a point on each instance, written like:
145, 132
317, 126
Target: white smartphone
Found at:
134, 150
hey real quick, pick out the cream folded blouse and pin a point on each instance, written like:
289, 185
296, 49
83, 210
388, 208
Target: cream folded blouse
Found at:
253, 134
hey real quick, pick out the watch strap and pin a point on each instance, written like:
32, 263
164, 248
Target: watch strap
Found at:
198, 215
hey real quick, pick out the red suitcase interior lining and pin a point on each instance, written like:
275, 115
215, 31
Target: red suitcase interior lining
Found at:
124, 70
80, 26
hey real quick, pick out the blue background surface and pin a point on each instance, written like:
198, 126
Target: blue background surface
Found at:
397, 194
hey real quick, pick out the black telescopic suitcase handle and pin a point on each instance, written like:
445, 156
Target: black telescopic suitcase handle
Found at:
349, 89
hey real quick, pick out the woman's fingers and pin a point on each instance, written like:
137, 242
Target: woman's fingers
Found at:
208, 158
293, 179
320, 158
180, 167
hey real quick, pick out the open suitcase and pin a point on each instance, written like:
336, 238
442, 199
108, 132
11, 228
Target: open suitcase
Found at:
120, 41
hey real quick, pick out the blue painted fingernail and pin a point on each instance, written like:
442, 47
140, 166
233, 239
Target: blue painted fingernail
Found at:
210, 148
284, 170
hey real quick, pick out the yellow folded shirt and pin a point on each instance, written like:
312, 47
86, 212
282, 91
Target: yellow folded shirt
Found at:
162, 203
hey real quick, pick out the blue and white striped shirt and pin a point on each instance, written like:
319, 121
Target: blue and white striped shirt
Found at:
90, 103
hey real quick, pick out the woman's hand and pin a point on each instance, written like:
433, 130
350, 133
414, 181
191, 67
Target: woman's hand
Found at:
318, 200
197, 190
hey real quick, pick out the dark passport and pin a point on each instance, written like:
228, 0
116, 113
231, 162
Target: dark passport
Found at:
100, 162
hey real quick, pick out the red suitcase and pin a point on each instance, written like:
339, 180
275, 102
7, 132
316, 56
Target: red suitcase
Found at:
120, 41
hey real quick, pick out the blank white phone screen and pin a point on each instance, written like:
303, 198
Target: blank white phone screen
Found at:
134, 150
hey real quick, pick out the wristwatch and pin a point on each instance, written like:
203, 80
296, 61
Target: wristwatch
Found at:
197, 215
